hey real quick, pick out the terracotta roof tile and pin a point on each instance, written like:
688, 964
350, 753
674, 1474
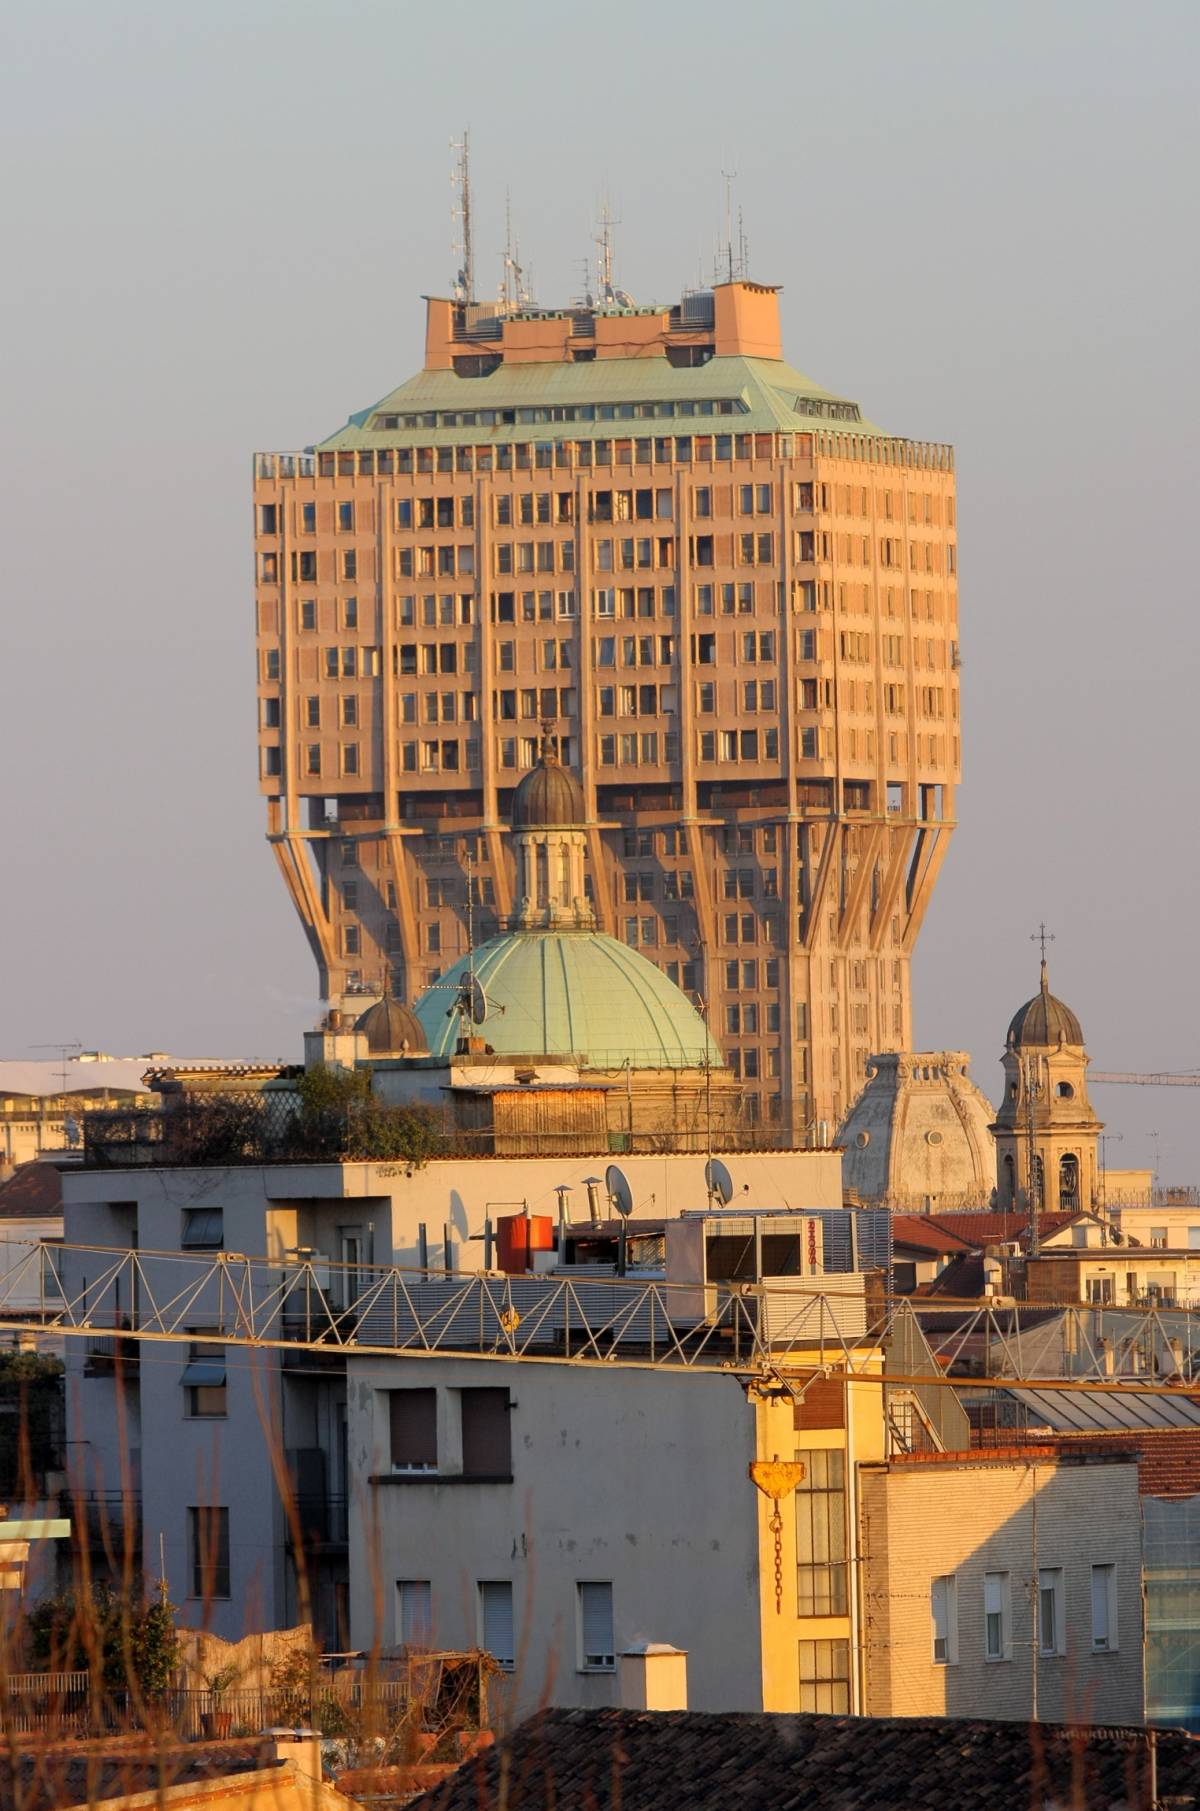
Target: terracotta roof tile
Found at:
34, 1192
625, 1760
977, 1228
920, 1232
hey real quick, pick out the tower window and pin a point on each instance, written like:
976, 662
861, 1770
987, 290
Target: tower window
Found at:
1065, 1091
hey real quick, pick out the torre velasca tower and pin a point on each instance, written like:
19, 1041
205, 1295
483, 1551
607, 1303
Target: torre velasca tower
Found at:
729, 597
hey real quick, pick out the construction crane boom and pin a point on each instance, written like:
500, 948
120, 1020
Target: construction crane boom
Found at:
1145, 1081
120, 1301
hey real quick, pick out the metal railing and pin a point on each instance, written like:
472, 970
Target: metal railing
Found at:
443, 1690
251, 1127
321, 1520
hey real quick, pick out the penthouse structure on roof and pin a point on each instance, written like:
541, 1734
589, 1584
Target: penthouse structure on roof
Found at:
730, 595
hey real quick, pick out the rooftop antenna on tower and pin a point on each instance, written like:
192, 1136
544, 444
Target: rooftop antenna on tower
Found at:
514, 291
729, 176
1033, 1090
607, 293
743, 263
464, 281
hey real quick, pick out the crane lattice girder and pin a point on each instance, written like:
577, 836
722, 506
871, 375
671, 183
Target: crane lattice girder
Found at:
815, 1326
1145, 1081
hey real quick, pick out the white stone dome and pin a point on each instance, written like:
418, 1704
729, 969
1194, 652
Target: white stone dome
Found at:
919, 1135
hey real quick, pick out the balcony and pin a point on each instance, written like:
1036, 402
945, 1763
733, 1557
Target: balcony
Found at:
322, 1523
109, 1355
106, 1522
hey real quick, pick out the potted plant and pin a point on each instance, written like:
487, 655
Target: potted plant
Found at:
217, 1722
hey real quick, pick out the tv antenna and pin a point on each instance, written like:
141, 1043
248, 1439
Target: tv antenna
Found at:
64, 1047
514, 290
729, 176
464, 281
607, 293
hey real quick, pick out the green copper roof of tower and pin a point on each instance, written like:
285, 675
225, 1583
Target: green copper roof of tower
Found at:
601, 400
571, 994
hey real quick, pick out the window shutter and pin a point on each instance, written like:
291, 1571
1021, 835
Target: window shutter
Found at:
413, 1429
496, 1607
415, 1607
486, 1443
596, 1618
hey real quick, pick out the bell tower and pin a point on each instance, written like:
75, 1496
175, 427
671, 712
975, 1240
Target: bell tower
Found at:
1047, 1134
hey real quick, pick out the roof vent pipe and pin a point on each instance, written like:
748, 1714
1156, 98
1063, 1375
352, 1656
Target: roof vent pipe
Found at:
593, 1185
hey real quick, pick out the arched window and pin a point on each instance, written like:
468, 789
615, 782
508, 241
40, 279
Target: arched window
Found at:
1068, 1181
1010, 1180
1065, 1091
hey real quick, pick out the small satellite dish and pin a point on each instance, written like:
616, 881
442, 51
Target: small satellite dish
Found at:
472, 1002
718, 1182
617, 1187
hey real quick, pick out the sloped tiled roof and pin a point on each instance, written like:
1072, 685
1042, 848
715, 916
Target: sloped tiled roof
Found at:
978, 1228
769, 393
920, 1232
44, 1776
625, 1760
34, 1192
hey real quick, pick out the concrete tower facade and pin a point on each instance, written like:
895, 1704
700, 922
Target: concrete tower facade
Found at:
1046, 1115
732, 597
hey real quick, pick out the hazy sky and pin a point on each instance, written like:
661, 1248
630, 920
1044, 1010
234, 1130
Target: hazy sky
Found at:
219, 223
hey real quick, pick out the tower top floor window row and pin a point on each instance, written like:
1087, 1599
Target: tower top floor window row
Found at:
564, 454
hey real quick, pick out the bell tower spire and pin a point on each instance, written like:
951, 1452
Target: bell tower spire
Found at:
1046, 1132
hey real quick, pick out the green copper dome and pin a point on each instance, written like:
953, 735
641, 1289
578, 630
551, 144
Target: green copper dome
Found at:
571, 993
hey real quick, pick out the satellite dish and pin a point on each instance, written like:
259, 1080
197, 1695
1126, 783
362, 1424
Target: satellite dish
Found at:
472, 1002
718, 1182
620, 1194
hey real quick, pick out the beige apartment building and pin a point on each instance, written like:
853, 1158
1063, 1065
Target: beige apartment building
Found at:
1027, 1604
732, 599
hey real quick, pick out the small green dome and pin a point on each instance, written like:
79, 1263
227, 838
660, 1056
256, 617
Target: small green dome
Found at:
571, 993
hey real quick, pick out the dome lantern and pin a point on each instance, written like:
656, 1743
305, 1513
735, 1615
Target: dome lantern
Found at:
548, 814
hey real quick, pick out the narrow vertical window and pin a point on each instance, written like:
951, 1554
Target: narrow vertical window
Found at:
1051, 1625
597, 1648
995, 1615
943, 1604
208, 1552
496, 1621
414, 1612
1104, 1609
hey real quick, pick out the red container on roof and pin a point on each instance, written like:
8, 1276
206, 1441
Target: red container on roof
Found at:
518, 1236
